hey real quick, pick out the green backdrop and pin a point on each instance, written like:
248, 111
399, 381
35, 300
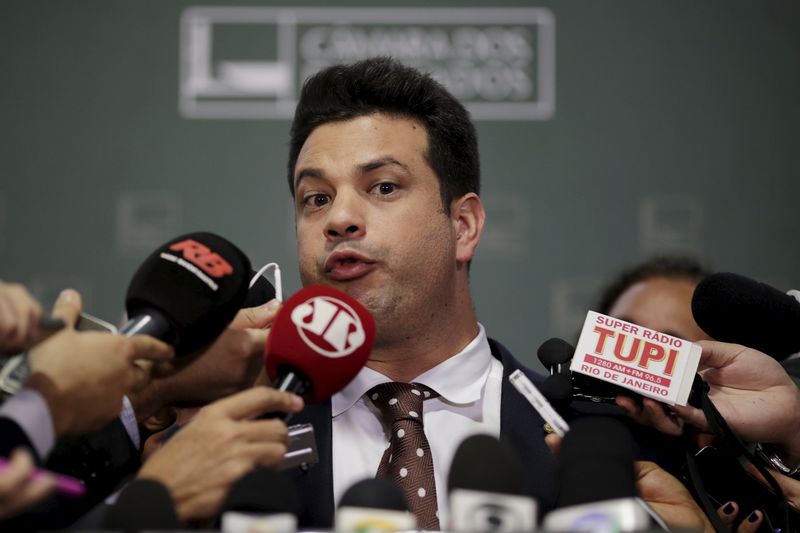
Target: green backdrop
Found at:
637, 126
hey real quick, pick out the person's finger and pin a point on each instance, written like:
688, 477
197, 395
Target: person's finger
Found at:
660, 418
751, 523
264, 431
553, 442
267, 453
68, 307
718, 354
139, 375
150, 348
258, 400
19, 468
692, 415
727, 513
9, 326
258, 339
256, 317
35, 490
26, 312
631, 407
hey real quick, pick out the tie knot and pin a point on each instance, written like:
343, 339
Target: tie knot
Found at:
400, 401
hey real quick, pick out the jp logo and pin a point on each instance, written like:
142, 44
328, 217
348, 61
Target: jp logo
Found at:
329, 326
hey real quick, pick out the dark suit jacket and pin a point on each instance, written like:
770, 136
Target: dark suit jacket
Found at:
12, 436
102, 459
520, 426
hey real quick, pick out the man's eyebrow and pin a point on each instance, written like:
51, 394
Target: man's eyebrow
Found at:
309, 172
382, 162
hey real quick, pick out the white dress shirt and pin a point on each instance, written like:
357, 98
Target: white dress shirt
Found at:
469, 387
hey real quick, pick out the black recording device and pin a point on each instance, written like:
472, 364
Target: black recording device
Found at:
725, 480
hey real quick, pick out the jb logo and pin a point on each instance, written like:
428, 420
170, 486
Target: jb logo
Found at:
329, 326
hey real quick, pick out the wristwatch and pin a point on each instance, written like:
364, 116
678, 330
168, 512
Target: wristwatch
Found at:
772, 458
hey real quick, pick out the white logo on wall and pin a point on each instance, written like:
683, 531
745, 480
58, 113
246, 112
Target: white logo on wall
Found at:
249, 62
671, 224
146, 219
329, 326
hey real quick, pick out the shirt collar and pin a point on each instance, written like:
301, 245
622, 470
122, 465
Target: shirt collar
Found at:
459, 379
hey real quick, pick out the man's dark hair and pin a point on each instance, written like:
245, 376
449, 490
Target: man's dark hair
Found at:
384, 85
671, 267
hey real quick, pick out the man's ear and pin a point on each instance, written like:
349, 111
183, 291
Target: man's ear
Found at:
468, 216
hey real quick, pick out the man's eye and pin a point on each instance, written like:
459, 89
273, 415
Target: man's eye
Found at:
316, 200
386, 188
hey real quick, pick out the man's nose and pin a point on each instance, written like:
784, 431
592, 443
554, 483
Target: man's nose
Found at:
345, 218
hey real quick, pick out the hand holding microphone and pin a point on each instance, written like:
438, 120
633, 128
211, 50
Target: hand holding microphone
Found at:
19, 317
754, 394
84, 375
223, 442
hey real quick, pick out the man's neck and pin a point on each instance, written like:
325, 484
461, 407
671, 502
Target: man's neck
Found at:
405, 359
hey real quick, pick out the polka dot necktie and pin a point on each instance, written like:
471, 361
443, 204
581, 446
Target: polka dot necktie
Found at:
407, 460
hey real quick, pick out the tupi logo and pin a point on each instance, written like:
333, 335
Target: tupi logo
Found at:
201, 255
329, 326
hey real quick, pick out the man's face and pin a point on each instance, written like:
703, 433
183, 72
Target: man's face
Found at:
662, 304
370, 220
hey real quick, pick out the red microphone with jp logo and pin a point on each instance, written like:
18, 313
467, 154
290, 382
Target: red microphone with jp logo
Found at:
319, 341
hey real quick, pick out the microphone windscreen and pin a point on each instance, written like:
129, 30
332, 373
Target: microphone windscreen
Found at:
197, 281
325, 335
555, 351
736, 309
260, 293
263, 491
595, 462
143, 504
375, 493
557, 388
484, 463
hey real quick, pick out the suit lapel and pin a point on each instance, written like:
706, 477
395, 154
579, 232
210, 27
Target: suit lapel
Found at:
523, 429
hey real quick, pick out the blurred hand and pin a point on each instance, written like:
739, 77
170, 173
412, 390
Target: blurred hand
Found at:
18, 491
662, 491
649, 412
221, 444
19, 317
669, 498
232, 363
730, 511
84, 375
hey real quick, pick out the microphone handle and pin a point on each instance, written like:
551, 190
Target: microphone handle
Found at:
149, 322
293, 381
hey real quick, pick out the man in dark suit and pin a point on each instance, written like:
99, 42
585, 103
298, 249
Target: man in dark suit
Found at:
384, 171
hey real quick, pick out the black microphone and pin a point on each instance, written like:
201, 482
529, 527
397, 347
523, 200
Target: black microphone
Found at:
597, 480
375, 504
562, 386
187, 291
261, 500
143, 504
485, 488
555, 354
733, 308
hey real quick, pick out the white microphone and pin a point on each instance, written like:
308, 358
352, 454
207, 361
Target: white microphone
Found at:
485, 489
597, 481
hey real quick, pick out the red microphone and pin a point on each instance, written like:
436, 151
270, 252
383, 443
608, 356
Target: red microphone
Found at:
319, 341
